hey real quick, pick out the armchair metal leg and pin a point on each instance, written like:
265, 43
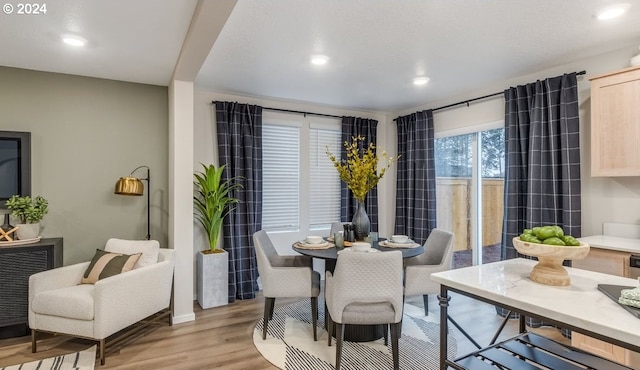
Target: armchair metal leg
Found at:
314, 317
33, 341
101, 344
385, 332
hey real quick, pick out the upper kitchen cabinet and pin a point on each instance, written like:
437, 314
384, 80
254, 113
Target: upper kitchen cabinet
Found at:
615, 123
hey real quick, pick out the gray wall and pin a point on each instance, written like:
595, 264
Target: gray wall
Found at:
85, 134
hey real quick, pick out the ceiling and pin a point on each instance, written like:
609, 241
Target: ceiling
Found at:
375, 48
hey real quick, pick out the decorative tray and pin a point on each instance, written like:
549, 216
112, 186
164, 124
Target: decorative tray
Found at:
19, 242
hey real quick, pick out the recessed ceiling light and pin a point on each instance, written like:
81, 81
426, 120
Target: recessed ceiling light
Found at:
612, 12
422, 80
319, 59
74, 41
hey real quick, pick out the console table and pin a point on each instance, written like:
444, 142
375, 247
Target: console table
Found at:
580, 307
17, 263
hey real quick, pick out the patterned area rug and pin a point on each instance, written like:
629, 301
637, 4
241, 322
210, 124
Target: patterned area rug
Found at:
289, 344
84, 360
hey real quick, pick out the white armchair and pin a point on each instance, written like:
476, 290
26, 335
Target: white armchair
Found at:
58, 303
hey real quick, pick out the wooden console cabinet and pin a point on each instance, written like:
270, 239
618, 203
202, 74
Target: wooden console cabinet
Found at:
17, 263
615, 123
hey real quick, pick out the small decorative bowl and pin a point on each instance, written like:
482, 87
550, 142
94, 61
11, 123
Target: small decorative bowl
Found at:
399, 238
313, 239
361, 246
549, 270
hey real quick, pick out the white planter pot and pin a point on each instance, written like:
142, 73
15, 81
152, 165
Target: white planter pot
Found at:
212, 279
28, 231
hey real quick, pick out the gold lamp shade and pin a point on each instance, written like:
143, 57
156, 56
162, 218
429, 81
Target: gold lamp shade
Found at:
129, 186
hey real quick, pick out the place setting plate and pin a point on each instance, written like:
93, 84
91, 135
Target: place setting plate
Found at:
389, 244
306, 245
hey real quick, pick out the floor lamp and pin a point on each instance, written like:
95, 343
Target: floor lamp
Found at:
131, 185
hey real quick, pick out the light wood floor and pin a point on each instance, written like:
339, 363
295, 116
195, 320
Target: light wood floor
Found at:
222, 338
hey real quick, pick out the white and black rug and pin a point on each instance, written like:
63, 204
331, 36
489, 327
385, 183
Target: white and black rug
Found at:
289, 344
83, 360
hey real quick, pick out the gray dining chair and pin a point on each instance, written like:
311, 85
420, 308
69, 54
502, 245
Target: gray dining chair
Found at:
336, 226
437, 256
285, 276
365, 289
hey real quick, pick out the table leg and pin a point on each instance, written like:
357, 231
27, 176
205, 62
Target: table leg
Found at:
443, 298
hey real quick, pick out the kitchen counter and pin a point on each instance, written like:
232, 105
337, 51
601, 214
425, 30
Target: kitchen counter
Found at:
580, 306
613, 243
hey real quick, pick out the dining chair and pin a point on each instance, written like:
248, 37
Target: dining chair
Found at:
365, 289
285, 276
437, 256
336, 226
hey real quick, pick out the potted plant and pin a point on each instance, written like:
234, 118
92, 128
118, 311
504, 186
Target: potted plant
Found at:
213, 201
29, 211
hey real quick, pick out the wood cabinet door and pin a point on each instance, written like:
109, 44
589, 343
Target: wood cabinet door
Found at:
615, 123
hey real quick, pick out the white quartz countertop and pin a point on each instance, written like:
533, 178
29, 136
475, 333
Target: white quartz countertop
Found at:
613, 243
580, 304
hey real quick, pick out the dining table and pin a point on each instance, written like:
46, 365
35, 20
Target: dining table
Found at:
356, 333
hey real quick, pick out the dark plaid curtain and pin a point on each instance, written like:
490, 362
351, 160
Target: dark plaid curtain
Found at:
416, 176
351, 127
239, 128
542, 138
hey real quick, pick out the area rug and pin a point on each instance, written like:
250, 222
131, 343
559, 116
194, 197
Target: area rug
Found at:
84, 360
289, 344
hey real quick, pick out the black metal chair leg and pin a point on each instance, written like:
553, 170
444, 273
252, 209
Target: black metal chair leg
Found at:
314, 317
385, 332
329, 322
268, 309
395, 331
425, 299
339, 339
33, 341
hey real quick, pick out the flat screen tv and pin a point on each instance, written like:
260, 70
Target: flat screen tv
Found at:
15, 165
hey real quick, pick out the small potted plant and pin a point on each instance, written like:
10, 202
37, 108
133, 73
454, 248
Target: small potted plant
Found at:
213, 201
29, 211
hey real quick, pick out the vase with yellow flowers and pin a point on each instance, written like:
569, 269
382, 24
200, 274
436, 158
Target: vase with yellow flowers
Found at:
360, 172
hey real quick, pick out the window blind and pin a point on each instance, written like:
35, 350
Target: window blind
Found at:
281, 177
324, 184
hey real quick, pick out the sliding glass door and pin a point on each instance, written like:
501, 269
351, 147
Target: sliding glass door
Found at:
470, 188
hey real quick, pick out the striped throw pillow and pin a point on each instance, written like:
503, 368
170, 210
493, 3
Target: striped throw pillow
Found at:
105, 264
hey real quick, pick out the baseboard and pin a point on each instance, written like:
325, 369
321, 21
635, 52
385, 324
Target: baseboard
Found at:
183, 318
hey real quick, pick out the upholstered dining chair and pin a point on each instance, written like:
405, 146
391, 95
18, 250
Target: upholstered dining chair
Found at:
365, 289
285, 276
437, 256
336, 226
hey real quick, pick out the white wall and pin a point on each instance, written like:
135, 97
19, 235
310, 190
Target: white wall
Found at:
603, 199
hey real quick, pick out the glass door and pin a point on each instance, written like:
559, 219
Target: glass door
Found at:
469, 189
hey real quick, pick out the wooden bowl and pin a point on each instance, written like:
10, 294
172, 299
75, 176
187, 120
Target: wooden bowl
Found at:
549, 270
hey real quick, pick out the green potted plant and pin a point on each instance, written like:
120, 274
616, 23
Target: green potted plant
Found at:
213, 201
29, 211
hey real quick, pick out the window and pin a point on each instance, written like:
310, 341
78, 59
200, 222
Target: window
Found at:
301, 189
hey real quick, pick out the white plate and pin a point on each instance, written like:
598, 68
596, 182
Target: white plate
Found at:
307, 244
372, 250
408, 244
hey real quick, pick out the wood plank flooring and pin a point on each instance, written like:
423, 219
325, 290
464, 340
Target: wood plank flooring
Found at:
221, 338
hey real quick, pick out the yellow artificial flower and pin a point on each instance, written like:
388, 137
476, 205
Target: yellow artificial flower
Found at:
360, 170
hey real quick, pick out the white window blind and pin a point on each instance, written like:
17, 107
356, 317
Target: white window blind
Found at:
324, 184
281, 177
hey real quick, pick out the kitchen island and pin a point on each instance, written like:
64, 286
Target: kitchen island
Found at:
580, 306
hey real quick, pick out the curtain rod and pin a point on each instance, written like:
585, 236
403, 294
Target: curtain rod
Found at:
301, 112
482, 97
